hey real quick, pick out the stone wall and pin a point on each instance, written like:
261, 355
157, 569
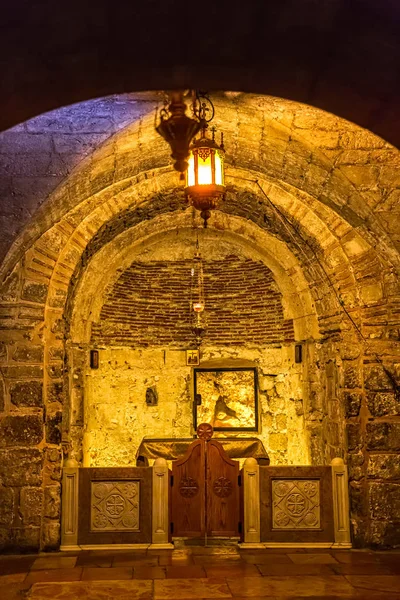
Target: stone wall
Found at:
117, 417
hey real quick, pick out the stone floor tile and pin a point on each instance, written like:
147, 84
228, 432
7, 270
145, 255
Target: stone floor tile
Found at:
179, 589
13, 591
355, 557
283, 570
189, 572
93, 590
360, 569
12, 578
115, 573
93, 560
222, 559
215, 550
54, 575
54, 562
177, 561
383, 583
291, 587
241, 570
313, 559
16, 564
149, 572
269, 559
146, 561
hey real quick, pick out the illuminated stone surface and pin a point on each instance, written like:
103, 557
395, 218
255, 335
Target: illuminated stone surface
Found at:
89, 192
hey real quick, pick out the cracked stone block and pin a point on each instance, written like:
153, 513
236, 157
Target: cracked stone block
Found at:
6, 506
27, 393
383, 403
21, 467
31, 505
21, 430
383, 436
35, 292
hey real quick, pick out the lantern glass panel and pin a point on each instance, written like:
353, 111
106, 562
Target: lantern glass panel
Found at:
219, 173
190, 172
204, 170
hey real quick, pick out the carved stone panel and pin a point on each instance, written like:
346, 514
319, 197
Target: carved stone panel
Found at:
296, 504
114, 506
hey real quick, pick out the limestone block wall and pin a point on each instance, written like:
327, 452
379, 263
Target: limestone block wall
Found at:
117, 418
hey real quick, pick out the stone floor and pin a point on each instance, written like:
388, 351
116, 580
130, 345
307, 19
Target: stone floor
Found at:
199, 572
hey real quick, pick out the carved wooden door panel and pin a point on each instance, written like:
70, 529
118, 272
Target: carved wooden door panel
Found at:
222, 492
188, 492
205, 491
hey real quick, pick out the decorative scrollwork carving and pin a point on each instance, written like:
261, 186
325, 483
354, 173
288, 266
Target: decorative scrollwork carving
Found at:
188, 487
222, 487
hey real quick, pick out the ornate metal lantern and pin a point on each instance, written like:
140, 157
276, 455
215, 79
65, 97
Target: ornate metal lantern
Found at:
203, 160
178, 129
205, 185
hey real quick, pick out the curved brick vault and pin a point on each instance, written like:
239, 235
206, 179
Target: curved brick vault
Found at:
310, 196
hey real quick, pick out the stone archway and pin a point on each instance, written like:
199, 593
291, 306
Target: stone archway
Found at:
323, 227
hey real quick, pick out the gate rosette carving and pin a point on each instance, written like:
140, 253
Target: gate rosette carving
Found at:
188, 487
114, 506
222, 487
295, 504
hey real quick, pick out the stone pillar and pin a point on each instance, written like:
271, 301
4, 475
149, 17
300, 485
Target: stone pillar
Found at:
69, 506
160, 517
251, 504
340, 497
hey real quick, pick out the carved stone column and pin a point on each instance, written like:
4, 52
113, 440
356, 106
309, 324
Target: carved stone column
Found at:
251, 497
160, 518
340, 493
69, 506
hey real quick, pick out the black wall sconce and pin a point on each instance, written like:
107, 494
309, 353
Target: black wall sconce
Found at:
298, 353
94, 359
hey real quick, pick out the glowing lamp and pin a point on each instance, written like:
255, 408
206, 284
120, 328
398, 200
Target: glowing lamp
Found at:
205, 184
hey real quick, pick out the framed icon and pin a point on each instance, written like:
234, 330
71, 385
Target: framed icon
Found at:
193, 358
228, 399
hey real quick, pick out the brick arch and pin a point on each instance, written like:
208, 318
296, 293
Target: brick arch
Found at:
309, 52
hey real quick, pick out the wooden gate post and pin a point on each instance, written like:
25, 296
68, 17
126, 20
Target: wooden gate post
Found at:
340, 493
160, 506
251, 504
69, 506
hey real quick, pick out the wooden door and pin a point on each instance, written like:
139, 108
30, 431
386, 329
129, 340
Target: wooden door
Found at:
188, 492
222, 492
205, 490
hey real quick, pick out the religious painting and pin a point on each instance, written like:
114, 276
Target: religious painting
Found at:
192, 358
226, 398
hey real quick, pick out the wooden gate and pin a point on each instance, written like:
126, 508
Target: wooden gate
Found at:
205, 490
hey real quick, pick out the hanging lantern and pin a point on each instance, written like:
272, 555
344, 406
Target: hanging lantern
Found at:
178, 129
205, 185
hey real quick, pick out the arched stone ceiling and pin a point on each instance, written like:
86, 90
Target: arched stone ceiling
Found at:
320, 171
